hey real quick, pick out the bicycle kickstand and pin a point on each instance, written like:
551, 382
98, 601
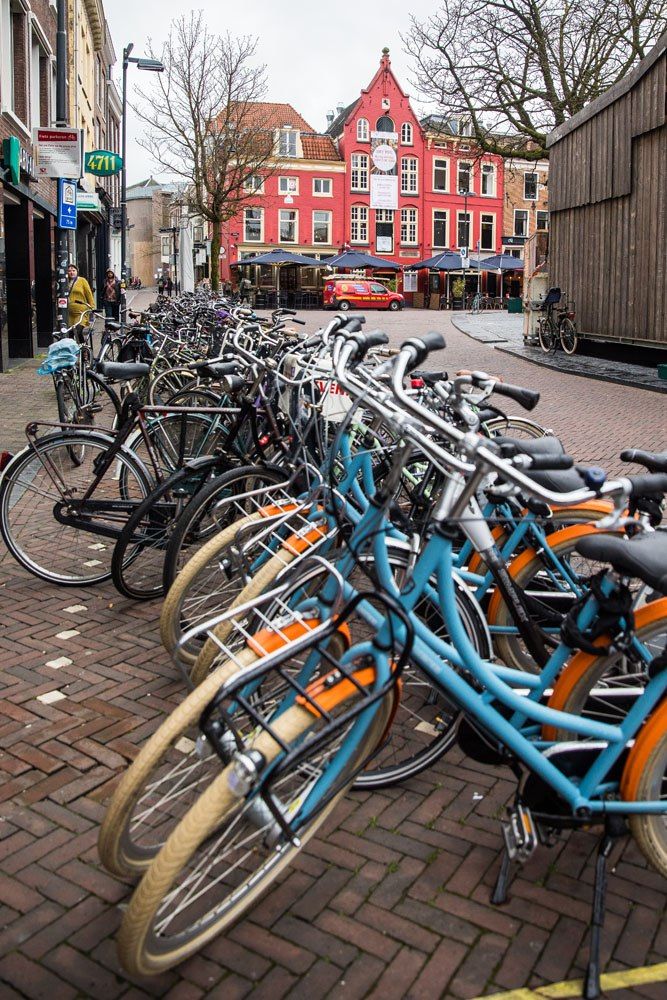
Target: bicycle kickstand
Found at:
499, 894
613, 830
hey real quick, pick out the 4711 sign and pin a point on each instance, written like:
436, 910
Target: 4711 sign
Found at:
102, 163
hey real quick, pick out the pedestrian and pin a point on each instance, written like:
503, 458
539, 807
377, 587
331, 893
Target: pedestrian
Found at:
170, 286
160, 285
79, 297
111, 295
244, 289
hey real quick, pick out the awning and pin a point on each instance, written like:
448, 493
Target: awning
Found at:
353, 259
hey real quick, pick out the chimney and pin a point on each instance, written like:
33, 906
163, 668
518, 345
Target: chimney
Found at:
330, 118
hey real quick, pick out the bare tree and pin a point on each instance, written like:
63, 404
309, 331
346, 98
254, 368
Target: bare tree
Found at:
516, 69
202, 123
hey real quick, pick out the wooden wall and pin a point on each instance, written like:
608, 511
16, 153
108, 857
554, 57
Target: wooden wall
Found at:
608, 210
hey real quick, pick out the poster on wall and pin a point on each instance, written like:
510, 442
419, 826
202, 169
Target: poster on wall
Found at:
384, 172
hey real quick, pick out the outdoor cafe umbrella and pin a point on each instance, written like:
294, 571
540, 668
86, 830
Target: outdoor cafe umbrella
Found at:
279, 258
353, 259
445, 261
501, 262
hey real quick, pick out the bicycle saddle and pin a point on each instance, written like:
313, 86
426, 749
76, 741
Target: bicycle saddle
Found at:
123, 371
112, 324
644, 556
557, 480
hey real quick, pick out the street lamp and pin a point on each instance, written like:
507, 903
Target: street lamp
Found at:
465, 194
149, 66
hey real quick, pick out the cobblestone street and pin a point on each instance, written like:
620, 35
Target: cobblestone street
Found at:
392, 899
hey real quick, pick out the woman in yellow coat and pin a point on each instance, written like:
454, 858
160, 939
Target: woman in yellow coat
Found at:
79, 297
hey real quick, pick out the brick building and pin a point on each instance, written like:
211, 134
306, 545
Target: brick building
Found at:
149, 252
27, 205
525, 210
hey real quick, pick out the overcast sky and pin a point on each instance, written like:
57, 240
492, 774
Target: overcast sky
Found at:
316, 55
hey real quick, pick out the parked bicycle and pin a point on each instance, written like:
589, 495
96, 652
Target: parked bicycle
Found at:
557, 326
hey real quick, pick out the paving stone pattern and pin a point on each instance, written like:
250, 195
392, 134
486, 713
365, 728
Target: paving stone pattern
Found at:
390, 901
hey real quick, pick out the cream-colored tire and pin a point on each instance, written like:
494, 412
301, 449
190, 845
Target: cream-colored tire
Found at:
172, 766
216, 815
194, 577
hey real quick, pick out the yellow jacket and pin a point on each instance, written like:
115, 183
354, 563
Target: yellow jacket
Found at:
79, 299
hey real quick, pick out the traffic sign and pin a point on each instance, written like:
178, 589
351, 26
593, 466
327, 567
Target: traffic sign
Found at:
66, 204
465, 259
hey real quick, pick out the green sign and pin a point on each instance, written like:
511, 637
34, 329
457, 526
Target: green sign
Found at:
102, 163
11, 156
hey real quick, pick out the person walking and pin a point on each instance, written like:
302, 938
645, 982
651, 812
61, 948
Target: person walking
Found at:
111, 295
160, 285
170, 286
79, 297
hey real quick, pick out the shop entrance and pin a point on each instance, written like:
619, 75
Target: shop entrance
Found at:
44, 291
19, 276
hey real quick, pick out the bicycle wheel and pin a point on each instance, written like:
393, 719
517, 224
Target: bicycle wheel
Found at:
547, 590
137, 565
546, 335
70, 412
516, 427
644, 779
227, 850
219, 503
164, 384
47, 545
568, 335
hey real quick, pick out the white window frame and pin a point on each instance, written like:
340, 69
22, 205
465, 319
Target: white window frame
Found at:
526, 214
440, 211
460, 216
329, 215
531, 173
294, 222
249, 185
359, 222
322, 194
363, 131
487, 170
409, 175
542, 211
486, 216
359, 172
409, 226
291, 185
460, 187
246, 238
441, 160
407, 134
290, 134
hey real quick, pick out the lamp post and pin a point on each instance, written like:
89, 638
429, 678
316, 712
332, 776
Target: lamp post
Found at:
465, 194
150, 66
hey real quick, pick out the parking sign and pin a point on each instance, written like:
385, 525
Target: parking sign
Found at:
66, 204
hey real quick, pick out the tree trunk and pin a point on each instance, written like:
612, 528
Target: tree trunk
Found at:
216, 239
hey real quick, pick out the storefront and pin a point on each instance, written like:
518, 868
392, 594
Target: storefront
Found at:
27, 236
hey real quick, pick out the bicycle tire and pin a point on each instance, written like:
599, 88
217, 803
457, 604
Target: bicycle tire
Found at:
139, 949
568, 335
645, 779
22, 521
206, 509
515, 427
523, 569
137, 567
69, 406
546, 335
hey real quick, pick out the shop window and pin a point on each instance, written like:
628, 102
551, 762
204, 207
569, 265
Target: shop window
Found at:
487, 234
358, 224
253, 219
440, 230
288, 225
530, 187
440, 171
408, 226
359, 172
409, 183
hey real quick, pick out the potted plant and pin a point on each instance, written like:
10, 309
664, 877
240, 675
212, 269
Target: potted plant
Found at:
458, 291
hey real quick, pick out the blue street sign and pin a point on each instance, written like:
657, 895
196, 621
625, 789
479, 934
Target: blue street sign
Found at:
66, 204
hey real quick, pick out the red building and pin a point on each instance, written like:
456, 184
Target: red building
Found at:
379, 179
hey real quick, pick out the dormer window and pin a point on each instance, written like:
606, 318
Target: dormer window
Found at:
287, 142
362, 130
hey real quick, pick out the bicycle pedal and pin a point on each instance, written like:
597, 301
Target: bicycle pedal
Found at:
520, 834
94, 408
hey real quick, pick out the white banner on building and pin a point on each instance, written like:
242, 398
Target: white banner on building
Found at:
384, 174
58, 152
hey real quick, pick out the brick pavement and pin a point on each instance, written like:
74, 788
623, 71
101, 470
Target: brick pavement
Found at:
390, 901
